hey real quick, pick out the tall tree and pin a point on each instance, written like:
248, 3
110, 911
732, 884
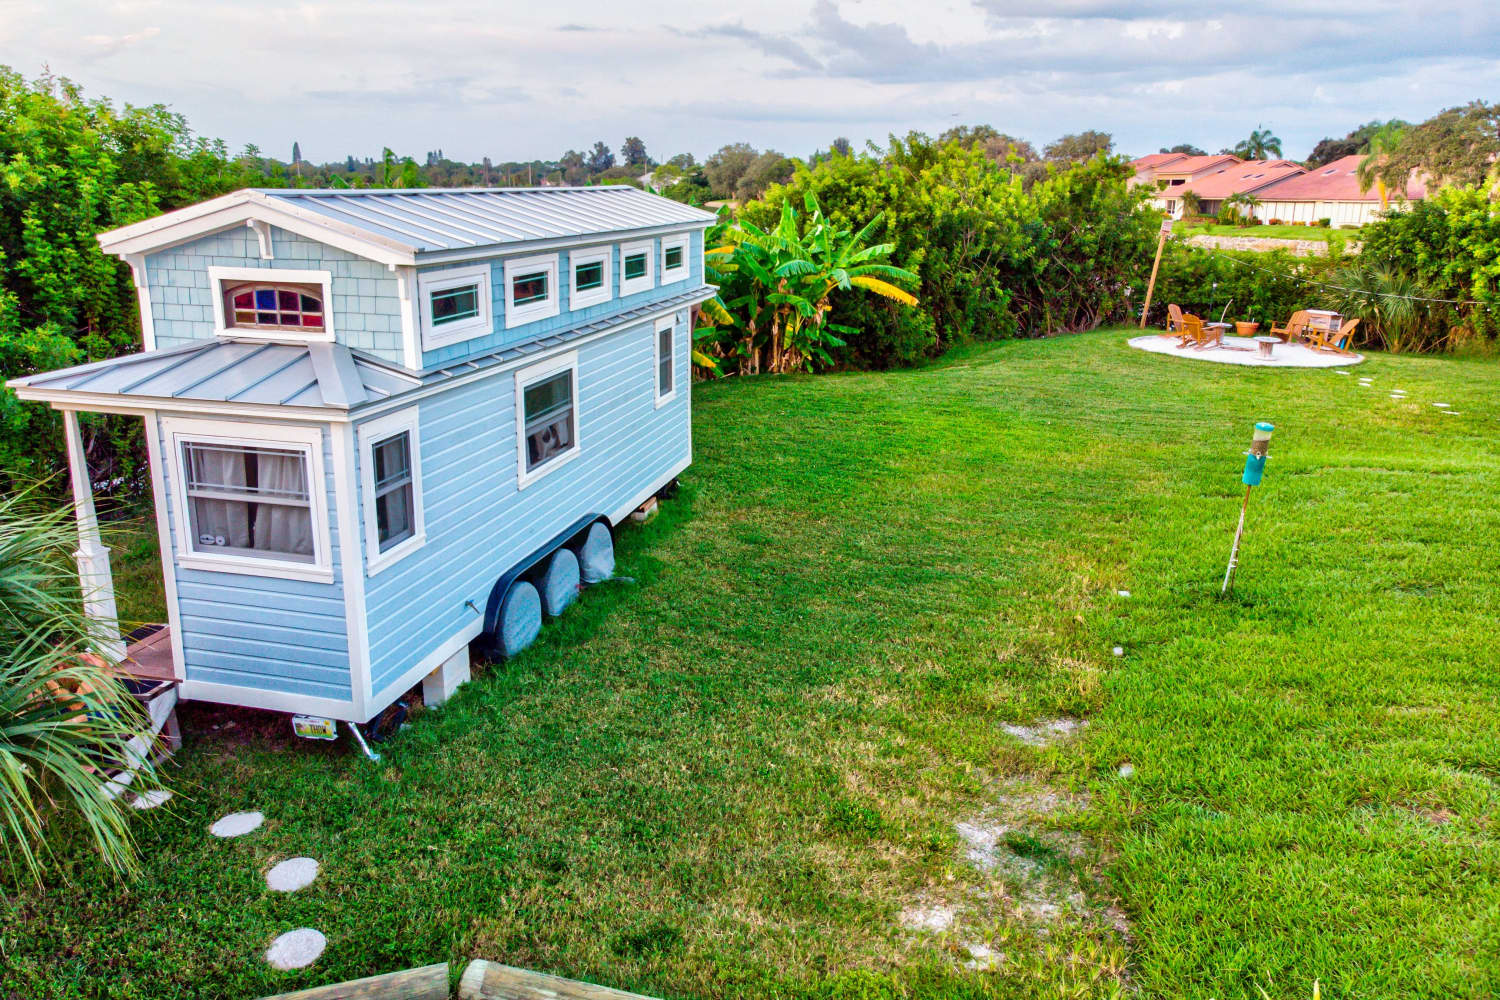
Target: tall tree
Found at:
1186, 148
1456, 146
725, 168
296, 153
1260, 144
1078, 147
600, 159
633, 152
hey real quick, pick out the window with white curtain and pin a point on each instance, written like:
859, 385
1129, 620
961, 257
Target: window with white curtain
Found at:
251, 502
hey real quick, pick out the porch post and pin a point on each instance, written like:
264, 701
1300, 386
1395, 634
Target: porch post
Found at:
94, 577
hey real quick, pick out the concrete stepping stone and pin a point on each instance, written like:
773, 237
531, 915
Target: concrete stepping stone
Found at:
1127, 769
1340, 371
292, 874
1442, 406
237, 824
296, 949
1118, 650
151, 799
1123, 593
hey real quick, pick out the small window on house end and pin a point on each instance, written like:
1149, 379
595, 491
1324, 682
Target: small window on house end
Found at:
664, 362
671, 259
394, 520
277, 306
550, 427
529, 288
453, 304
635, 266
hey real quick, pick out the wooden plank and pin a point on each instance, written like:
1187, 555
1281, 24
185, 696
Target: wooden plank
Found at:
492, 981
427, 983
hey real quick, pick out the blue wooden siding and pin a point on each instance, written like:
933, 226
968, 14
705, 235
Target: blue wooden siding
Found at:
566, 319
478, 524
258, 631
366, 308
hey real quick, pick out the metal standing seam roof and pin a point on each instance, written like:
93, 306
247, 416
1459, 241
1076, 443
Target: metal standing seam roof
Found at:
234, 371
440, 219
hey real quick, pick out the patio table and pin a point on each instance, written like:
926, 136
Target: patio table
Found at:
1267, 344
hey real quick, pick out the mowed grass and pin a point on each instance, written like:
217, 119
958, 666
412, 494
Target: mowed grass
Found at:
729, 777
1320, 234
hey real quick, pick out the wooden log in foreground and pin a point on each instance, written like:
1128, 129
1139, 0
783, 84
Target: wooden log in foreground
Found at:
427, 983
492, 981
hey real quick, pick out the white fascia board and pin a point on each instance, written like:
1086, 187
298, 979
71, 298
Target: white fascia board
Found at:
554, 243
235, 210
107, 402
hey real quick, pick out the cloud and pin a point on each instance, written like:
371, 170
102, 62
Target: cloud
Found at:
779, 46
108, 45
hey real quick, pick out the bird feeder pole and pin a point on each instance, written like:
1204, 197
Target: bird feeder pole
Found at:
1255, 467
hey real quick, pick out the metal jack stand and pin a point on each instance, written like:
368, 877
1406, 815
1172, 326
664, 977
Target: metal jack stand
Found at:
360, 739
1255, 467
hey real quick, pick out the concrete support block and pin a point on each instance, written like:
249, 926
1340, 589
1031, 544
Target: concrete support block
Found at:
438, 686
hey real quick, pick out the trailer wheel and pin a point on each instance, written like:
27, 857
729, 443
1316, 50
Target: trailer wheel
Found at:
520, 618
596, 556
559, 582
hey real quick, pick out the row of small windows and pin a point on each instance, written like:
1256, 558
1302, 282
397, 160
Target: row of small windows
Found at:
456, 302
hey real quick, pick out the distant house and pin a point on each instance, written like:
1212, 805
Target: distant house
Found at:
1231, 177
1146, 167
1175, 169
1331, 192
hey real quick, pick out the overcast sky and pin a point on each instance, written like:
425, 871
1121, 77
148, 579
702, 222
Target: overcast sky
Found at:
524, 80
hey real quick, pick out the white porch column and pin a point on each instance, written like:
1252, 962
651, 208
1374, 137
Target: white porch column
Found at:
94, 577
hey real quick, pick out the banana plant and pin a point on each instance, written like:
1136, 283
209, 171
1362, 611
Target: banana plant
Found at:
786, 278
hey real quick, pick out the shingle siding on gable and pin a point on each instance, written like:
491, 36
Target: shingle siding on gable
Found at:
565, 319
366, 307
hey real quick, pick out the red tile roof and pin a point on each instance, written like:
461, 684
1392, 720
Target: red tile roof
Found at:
1196, 164
1233, 178
1335, 182
1155, 160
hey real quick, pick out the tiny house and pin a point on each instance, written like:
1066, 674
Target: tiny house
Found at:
371, 414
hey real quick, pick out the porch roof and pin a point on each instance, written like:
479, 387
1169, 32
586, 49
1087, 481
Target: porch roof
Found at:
316, 376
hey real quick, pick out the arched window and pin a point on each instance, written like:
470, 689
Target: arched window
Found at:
279, 306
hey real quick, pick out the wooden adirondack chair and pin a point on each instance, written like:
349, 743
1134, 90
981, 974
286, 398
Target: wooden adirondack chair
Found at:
1294, 328
1174, 319
1340, 340
1191, 331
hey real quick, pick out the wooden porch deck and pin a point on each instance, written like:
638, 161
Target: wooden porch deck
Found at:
150, 659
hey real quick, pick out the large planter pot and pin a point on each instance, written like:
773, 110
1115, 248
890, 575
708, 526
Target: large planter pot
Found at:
1246, 329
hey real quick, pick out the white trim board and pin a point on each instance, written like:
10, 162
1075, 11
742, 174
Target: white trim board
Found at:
154, 433
275, 701
356, 626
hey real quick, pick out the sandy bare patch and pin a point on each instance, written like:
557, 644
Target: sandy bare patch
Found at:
1046, 732
933, 918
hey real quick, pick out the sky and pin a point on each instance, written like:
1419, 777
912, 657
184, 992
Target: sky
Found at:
516, 81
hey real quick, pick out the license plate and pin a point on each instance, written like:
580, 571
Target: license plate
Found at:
312, 727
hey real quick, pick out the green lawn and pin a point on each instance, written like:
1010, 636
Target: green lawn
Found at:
759, 768
1282, 232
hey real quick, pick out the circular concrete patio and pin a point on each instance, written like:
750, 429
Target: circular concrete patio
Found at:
1245, 351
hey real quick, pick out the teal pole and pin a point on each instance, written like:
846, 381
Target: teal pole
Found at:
1255, 468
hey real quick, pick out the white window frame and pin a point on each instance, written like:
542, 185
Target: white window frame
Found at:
371, 434
630, 286
592, 296
218, 277
531, 374
680, 273
309, 440
664, 323
532, 311
458, 331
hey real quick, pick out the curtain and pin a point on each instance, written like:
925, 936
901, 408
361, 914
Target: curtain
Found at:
220, 522
279, 528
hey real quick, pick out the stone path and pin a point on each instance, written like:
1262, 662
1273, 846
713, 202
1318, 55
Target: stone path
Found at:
295, 949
